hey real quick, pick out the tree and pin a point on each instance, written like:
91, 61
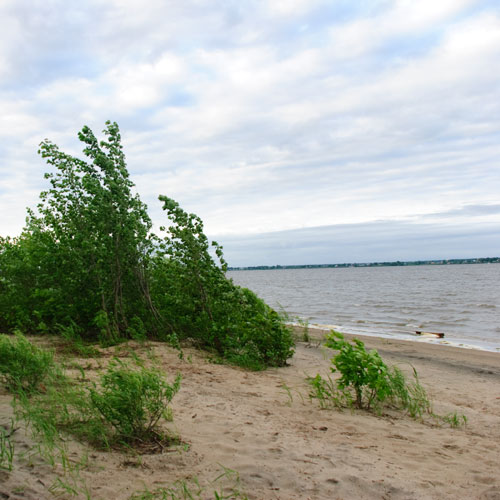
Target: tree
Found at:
203, 305
87, 263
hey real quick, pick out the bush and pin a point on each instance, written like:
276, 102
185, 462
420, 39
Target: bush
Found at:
125, 407
24, 366
366, 382
363, 371
88, 267
201, 304
133, 400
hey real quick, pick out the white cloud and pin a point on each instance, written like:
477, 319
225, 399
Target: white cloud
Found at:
405, 18
135, 86
289, 8
263, 116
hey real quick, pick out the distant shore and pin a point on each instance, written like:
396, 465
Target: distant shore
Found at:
438, 262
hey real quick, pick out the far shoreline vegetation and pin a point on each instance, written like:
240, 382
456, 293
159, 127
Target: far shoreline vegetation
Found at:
437, 262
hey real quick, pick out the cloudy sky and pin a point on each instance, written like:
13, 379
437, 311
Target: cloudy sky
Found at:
301, 131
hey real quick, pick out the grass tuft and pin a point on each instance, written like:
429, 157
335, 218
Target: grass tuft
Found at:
226, 486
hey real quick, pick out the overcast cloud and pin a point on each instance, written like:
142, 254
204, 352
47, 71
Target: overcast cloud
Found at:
301, 131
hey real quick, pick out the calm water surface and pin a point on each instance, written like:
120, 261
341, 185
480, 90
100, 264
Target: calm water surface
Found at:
463, 301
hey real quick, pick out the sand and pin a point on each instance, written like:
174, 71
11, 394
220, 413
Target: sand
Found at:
283, 446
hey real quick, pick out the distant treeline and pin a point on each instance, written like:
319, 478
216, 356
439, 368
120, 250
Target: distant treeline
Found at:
443, 262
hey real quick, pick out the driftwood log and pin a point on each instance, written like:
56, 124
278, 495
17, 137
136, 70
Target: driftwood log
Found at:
436, 334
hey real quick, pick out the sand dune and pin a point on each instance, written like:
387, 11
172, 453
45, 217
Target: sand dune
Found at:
283, 446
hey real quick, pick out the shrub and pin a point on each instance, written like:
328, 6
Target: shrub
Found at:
200, 303
363, 371
366, 382
24, 366
88, 267
125, 407
132, 400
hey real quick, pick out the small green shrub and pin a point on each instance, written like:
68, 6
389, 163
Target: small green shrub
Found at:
23, 366
361, 370
133, 400
366, 382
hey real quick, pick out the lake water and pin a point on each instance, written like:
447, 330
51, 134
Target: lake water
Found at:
463, 301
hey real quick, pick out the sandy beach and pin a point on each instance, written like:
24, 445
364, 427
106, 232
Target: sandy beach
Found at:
283, 446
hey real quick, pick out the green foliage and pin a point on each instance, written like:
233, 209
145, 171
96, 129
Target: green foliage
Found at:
87, 266
73, 342
132, 400
326, 391
363, 371
203, 305
366, 382
24, 366
124, 409
80, 260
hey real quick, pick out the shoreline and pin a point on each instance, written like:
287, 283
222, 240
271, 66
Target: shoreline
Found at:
445, 341
439, 353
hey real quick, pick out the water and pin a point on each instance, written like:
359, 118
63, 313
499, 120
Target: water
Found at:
463, 301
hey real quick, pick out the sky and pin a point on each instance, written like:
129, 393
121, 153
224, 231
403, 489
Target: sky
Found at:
300, 131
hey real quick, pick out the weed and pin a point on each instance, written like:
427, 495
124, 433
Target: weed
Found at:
304, 323
408, 395
70, 484
327, 393
453, 419
288, 391
73, 343
224, 487
24, 366
50, 446
6, 449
